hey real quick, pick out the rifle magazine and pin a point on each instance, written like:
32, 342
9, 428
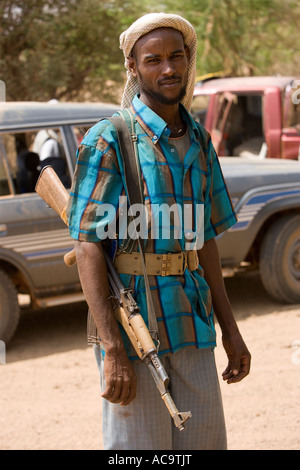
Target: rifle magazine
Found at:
92, 332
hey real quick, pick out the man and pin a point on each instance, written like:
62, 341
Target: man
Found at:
178, 166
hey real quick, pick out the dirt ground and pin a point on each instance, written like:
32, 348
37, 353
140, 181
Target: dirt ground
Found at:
49, 396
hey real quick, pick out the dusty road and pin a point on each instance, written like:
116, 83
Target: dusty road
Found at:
49, 396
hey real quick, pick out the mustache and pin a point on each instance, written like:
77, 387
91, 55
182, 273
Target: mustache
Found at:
169, 79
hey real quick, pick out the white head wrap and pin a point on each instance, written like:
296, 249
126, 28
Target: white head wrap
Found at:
144, 25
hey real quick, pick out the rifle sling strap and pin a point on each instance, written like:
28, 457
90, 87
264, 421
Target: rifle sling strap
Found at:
129, 152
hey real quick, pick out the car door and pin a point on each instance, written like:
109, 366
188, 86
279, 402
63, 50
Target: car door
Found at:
32, 236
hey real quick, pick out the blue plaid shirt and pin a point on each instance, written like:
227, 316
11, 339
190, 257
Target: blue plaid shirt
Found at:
182, 303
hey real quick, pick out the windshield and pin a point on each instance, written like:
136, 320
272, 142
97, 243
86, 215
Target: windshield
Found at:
6, 182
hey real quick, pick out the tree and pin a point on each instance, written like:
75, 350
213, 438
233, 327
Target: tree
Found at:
57, 48
249, 37
69, 49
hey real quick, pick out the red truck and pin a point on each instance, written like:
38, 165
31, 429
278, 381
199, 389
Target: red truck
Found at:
251, 116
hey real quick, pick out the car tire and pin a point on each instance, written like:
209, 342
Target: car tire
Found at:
9, 307
280, 260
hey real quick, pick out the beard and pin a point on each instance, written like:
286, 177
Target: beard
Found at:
160, 97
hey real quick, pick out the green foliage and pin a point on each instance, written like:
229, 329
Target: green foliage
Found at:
69, 49
248, 37
57, 48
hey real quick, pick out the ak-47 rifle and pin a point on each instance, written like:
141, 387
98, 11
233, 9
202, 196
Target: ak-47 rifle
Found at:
52, 191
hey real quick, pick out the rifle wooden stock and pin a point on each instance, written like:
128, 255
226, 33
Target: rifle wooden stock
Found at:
52, 191
136, 331
70, 258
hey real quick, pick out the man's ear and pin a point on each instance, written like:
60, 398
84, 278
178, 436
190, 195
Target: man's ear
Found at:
131, 63
187, 51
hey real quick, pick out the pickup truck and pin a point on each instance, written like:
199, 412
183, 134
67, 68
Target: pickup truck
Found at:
266, 197
33, 238
251, 116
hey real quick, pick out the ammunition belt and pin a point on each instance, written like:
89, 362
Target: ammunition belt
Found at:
166, 264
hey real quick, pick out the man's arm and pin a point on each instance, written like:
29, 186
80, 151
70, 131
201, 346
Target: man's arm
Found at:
238, 355
119, 375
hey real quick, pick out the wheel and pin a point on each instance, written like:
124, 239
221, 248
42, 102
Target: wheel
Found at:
280, 259
9, 307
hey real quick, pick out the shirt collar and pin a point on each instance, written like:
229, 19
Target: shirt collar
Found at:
153, 124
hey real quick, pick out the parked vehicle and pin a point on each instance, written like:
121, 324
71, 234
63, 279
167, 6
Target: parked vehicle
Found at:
266, 197
251, 116
33, 238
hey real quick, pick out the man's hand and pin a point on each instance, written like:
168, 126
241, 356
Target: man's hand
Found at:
239, 358
119, 374
120, 378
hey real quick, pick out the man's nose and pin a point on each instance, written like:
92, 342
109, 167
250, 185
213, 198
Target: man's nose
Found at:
168, 68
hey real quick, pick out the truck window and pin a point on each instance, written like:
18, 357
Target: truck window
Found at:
294, 116
28, 152
244, 128
199, 108
4, 183
79, 133
224, 107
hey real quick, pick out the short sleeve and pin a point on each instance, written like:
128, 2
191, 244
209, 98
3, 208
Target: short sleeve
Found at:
219, 214
96, 188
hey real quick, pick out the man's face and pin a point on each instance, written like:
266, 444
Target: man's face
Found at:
160, 61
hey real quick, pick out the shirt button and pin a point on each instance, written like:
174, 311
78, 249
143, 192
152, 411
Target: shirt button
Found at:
172, 150
155, 137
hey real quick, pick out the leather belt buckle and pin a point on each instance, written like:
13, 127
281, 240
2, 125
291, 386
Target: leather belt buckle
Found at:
166, 264
184, 261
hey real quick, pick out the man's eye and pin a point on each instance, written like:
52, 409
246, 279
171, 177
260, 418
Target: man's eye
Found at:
153, 60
